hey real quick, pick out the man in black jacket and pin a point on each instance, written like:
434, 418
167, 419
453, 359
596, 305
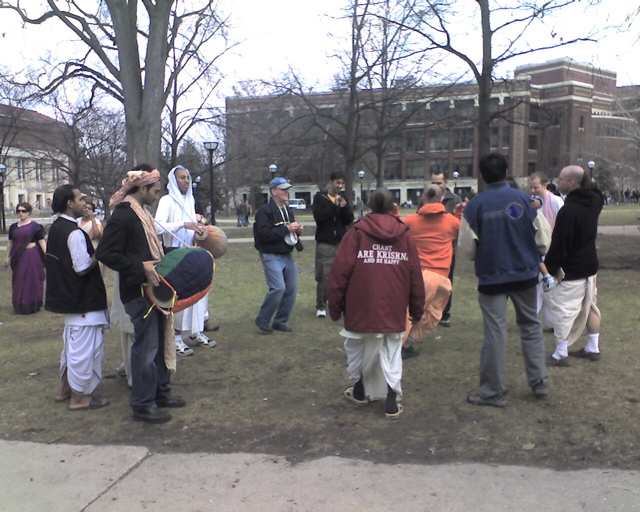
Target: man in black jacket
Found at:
75, 289
275, 233
130, 245
333, 215
573, 252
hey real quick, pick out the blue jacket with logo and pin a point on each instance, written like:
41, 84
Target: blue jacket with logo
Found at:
502, 220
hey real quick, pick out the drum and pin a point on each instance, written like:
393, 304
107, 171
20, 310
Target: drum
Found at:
213, 239
185, 275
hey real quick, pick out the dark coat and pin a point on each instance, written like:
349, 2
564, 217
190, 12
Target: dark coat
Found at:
123, 248
331, 220
269, 229
573, 242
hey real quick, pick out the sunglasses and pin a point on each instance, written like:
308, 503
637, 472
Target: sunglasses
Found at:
21, 211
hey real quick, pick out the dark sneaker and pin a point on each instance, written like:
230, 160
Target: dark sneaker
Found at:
281, 327
493, 401
409, 352
583, 354
445, 322
265, 328
562, 362
541, 389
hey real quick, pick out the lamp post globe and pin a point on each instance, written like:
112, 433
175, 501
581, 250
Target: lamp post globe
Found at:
591, 164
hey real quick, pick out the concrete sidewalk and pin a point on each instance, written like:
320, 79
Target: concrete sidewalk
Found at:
66, 478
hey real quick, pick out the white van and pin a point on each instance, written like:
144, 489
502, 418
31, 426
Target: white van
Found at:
297, 204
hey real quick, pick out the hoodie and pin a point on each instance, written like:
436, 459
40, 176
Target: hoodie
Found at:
376, 276
573, 242
434, 231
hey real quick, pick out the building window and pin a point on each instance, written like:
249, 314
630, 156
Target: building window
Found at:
464, 110
392, 170
493, 136
415, 169
438, 165
415, 141
533, 142
534, 112
439, 140
395, 146
494, 105
463, 139
506, 136
531, 168
21, 167
39, 170
609, 130
439, 111
463, 166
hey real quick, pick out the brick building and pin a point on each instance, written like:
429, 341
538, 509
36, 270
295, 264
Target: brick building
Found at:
549, 115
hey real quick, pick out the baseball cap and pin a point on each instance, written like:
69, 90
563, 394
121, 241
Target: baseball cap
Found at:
280, 183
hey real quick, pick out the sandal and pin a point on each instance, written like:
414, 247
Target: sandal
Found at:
395, 415
348, 394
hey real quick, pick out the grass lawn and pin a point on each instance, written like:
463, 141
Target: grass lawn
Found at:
282, 393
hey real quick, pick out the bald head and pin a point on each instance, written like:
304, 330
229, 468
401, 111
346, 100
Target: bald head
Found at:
570, 178
433, 194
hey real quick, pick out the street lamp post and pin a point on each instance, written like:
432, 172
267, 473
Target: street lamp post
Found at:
456, 174
211, 147
591, 165
3, 225
361, 176
273, 169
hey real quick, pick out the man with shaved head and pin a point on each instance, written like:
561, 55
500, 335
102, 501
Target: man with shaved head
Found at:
573, 253
433, 231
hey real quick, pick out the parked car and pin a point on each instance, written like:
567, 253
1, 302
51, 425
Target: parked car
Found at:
297, 204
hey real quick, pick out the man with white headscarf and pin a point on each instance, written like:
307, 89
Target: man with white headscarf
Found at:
177, 223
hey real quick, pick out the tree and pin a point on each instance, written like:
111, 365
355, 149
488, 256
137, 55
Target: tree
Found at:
437, 21
127, 45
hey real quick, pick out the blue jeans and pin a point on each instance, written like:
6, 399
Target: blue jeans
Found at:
281, 273
149, 374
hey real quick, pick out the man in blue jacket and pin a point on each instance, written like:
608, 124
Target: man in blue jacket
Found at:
498, 232
275, 233
333, 215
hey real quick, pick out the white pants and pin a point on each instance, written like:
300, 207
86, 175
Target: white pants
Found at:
377, 359
82, 357
571, 302
191, 320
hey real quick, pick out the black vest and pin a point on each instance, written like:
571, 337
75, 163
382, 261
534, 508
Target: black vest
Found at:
67, 292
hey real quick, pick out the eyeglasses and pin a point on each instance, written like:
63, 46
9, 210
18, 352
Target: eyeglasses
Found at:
21, 211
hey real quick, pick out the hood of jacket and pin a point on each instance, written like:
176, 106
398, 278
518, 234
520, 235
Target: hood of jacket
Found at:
381, 226
431, 209
590, 198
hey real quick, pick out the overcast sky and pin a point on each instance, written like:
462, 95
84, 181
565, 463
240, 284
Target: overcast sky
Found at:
282, 33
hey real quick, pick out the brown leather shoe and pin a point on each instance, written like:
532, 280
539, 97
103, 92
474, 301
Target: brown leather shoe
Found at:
583, 354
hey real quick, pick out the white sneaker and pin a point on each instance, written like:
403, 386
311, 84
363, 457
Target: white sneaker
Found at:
182, 348
202, 340
321, 313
